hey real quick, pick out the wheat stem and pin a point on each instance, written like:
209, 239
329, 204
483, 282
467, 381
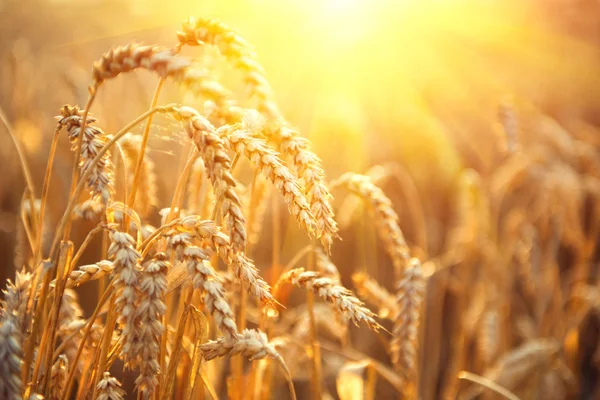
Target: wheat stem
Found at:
45, 190
62, 273
70, 381
22, 159
142, 149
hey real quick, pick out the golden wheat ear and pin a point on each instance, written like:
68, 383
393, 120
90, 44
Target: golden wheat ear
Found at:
336, 295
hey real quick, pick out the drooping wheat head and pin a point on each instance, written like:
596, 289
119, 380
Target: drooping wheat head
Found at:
337, 296
101, 181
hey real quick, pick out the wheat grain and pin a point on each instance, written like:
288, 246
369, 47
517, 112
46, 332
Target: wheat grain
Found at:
218, 105
70, 310
331, 291
489, 335
518, 364
509, 119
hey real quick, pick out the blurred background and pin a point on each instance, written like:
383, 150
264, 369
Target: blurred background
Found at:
425, 85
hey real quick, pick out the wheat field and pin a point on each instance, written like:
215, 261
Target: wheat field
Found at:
311, 200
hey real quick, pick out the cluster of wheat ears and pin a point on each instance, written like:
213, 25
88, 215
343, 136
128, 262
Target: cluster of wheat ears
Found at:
176, 300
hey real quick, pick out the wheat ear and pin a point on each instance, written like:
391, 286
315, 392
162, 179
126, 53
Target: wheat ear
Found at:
218, 168
272, 167
332, 292
371, 291
127, 279
404, 344
101, 180
165, 63
250, 343
58, 377
237, 50
206, 279
12, 336
86, 273
243, 267
109, 388
152, 308
386, 218
306, 163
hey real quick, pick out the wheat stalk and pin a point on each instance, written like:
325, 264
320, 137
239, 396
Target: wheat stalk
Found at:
147, 190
